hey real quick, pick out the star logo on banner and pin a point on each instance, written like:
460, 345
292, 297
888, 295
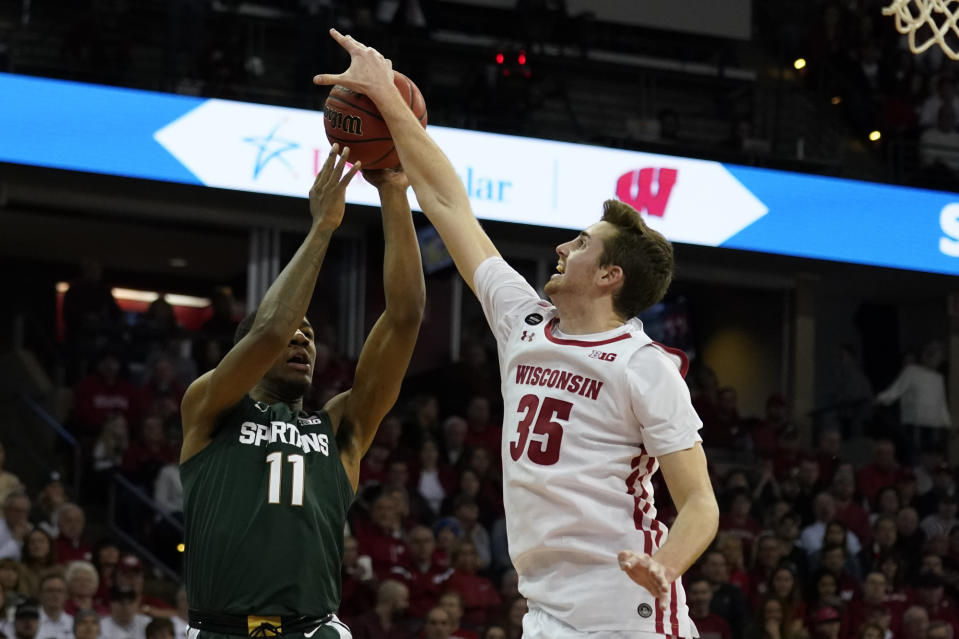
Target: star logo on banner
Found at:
271, 147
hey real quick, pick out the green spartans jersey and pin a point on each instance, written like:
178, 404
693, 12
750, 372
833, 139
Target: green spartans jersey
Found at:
264, 506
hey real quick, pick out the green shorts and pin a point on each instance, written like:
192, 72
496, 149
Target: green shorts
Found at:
333, 629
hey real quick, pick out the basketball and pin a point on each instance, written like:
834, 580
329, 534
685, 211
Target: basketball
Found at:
351, 119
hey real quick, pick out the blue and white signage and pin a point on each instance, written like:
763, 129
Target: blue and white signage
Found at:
268, 149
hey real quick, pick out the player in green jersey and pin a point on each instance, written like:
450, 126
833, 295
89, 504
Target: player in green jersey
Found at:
267, 485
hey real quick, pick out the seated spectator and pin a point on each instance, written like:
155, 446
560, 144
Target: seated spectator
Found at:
848, 511
728, 602
381, 538
940, 629
52, 496
466, 513
788, 455
147, 453
454, 440
83, 582
168, 490
433, 480
910, 536
835, 559
70, 544
86, 624
9, 483
766, 556
727, 429
874, 596
103, 393
827, 623
915, 623
930, 459
769, 622
26, 619
162, 385
124, 622
787, 532
827, 453
784, 586
448, 533
699, 594
414, 509
479, 594
766, 431
732, 548
887, 504
481, 431
422, 422
823, 589
437, 625
387, 618
941, 522
54, 622
108, 451
811, 538
15, 525
496, 632
929, 594
91, 315
884, 538
129, 576
12, 584
455, 606
943, 485
358, 584
884, 471
39, 556
106, 558
737, 519
422, 575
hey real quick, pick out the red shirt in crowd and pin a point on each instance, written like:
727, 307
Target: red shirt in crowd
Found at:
871, 479
425, 583
69, 550
96, 400
712, 627
855, 518
385, 550
479, 596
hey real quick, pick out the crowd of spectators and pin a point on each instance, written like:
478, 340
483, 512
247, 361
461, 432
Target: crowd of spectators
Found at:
813, 541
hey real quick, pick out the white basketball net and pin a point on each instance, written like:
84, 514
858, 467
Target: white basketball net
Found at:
933, 20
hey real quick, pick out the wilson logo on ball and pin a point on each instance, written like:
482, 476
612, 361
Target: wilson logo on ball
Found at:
351, 124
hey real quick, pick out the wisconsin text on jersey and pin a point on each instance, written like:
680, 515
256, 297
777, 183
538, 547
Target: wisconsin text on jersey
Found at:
254, 434
555, 378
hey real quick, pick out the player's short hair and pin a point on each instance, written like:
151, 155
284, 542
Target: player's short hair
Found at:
244, 327
645, 256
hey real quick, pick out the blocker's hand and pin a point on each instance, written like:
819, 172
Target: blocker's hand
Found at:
369, 72
648, 573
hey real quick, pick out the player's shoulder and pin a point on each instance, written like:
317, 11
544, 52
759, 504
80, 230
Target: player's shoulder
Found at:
654, 358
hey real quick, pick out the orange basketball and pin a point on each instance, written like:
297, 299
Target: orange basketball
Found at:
352, 120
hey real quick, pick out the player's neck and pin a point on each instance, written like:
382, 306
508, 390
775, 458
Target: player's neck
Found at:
263, 392
587, 318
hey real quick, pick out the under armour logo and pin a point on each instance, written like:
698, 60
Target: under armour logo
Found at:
527, 336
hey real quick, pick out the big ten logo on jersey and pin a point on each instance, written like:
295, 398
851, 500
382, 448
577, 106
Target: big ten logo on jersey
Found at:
253, 434
606, 357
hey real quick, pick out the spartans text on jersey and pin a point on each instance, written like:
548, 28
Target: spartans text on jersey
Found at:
555, 378
254, 434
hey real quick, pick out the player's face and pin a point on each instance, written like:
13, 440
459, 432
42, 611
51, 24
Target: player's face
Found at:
577, 269
293, 369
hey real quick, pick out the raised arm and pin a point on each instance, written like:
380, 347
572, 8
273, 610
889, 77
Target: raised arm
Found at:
438, 189
696, 523
389, 346
277, 318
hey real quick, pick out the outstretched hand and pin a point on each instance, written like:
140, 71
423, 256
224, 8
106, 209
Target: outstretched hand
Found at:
648, 573
387, 178
328, 193
369, 72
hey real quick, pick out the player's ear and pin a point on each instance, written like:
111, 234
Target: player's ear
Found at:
611, 276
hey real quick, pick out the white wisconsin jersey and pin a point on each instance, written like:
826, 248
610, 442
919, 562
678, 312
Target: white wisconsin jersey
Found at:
585, 417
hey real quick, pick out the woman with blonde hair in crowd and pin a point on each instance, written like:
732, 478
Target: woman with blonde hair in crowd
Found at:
83, 581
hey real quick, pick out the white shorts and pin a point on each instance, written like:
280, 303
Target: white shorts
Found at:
541, 625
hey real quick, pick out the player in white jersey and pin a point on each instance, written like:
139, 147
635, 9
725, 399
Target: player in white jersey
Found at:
592, 406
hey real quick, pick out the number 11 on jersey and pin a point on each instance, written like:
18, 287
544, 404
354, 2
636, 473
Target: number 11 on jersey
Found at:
276, 473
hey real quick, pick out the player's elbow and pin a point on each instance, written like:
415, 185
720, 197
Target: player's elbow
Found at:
707, 512
407, 311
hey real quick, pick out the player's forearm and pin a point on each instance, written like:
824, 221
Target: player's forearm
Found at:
403, 282
438, 189
286, 301
691, 533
